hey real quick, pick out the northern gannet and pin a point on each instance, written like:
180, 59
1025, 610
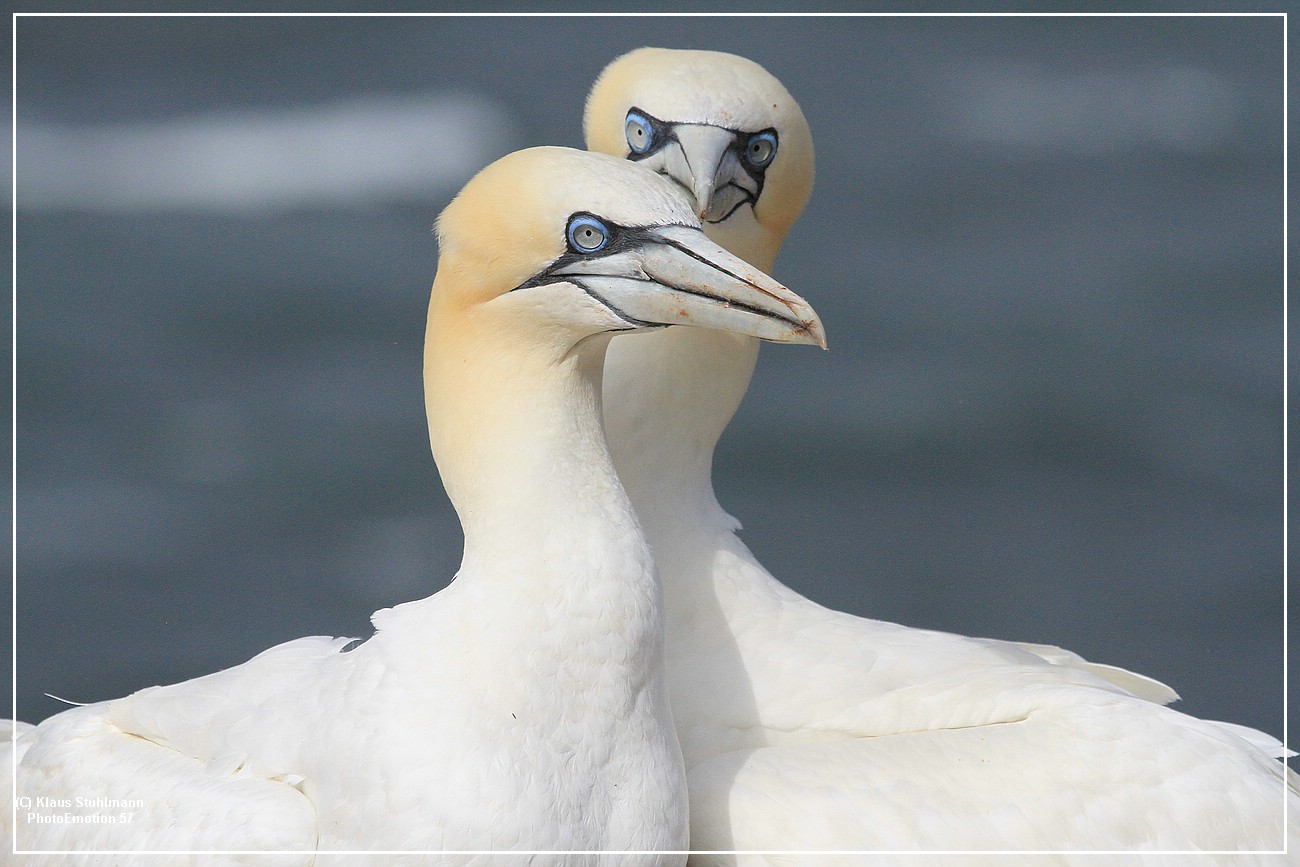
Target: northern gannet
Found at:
524, 706
805, 728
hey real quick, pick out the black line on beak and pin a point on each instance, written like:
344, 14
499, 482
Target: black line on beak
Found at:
628, 237
601, 299
715, 266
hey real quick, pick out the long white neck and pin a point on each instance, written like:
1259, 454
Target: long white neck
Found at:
557, 608
517, 435
669, 395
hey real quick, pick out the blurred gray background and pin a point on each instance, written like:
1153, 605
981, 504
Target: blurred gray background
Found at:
1048, 252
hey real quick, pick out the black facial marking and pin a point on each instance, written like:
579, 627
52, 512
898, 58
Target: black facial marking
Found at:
750, 199
620, 239
632, 321
660, 134
663, 132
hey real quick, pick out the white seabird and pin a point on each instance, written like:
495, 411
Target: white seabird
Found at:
524, 706
810, 729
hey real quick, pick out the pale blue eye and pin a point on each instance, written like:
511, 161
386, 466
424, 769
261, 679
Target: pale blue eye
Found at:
587, 234
640, 134
760, 149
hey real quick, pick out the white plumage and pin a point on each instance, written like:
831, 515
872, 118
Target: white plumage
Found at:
809, 729
524, 706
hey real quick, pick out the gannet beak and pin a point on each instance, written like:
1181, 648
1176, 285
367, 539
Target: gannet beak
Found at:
703, 159
674, 275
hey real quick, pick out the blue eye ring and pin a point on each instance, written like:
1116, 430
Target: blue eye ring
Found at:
760, 149
587, 234
639, 132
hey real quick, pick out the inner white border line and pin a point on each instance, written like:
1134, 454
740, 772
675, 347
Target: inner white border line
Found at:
1099, 852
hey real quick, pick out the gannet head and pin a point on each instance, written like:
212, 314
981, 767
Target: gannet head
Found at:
579, 243
719, 125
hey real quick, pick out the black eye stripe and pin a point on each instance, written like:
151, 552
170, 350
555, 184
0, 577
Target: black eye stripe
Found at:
663, 132
620, 238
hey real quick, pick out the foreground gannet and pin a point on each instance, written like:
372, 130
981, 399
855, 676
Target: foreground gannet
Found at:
524, 706
810, 729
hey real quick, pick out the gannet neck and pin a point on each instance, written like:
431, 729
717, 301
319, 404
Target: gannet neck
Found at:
663, 429
516, 433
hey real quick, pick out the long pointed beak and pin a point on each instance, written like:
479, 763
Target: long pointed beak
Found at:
674, 275
704, 160
700, 152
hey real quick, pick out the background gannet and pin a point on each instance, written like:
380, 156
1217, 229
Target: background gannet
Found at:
523, 707
806, 728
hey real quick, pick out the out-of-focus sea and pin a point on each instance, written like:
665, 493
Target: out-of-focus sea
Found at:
1048, 253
